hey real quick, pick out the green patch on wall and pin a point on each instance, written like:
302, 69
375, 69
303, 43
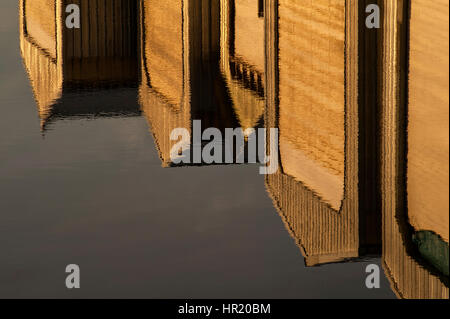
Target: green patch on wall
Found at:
433, 249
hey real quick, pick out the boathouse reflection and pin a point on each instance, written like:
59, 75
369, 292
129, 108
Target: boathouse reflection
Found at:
415, 148
242, 58
362, 117
99, 58
181, 76
312, 89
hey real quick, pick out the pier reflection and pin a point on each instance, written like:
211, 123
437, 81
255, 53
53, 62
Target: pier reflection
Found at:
87, 72
415, 149
181, 79
363, 148
188, 74
242, 58
319, 187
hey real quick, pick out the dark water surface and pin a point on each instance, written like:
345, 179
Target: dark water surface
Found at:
87, 186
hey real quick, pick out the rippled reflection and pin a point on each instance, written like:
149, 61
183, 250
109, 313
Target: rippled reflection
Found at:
86, 72
415, 151
243, 58
181, 78
363, 149
319, 137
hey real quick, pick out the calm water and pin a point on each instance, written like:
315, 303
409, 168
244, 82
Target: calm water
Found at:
85, 175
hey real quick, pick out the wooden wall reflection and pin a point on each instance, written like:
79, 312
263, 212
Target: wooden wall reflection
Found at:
363, 149
188, 72
242, 58
384, 128
312, 83
61, 61
415, 145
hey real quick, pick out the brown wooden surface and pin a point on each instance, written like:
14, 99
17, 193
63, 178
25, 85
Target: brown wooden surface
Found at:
428, 127
323, 233
312, 94
249, 33
163, 47
409, 277
244, 79
40, 22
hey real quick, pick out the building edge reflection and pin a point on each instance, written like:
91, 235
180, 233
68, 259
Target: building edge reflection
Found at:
323, 234
96, 61
410, 276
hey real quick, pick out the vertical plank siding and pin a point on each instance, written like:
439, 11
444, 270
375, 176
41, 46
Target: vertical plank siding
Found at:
362, 113
409, 276
428, 114
324, 232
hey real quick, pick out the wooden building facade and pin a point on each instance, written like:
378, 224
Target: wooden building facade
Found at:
317, 54
101, 54
414, 146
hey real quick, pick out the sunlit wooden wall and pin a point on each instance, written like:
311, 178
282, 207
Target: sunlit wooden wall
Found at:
39, 52
163, 47
249, 32
40, 24
406, 128
304, 41
181, 80
242, 54
428, 105
312, 94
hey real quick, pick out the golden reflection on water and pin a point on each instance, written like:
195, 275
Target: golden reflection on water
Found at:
401, 160
428, 103
308, 190
295, 65
99, 56
311, 58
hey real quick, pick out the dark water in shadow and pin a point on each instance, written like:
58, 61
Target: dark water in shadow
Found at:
86, 175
